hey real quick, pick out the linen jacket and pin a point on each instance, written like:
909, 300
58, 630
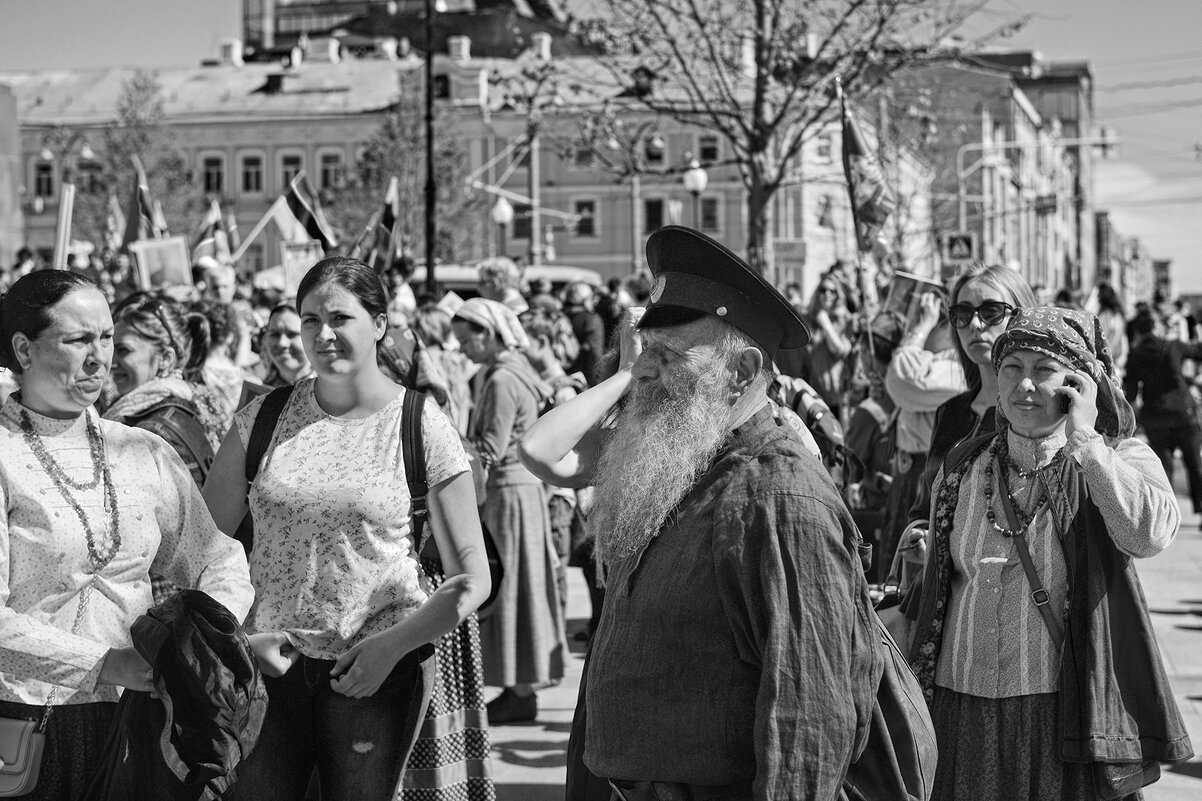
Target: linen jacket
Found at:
739, 645
1116, 705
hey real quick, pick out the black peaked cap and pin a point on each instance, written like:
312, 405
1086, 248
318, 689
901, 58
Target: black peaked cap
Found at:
695, 272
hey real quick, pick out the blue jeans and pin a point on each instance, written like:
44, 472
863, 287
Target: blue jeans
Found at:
358, 745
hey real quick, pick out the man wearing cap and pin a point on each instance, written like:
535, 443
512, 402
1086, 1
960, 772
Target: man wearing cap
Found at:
736, 659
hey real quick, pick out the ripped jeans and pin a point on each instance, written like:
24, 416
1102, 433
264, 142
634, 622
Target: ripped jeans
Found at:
358, 745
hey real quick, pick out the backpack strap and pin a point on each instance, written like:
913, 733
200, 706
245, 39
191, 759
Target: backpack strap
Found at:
413, 452
264, 429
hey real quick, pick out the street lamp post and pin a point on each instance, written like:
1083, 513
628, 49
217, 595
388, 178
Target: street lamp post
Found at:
502, 215
431, 189
695, 180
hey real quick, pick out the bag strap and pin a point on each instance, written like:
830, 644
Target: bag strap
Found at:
413, 452
84, 597
264, 429
1038, 594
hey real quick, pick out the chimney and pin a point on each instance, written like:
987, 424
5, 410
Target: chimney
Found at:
460, 48
387, 48
542, 45
230, 52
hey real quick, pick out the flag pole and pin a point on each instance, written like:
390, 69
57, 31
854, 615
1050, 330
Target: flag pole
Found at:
372, 222
258, 229
855, 217
62, 231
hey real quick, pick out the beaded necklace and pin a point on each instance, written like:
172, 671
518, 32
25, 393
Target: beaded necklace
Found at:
100, 469
999, 452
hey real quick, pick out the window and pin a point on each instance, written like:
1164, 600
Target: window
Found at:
583, 158
707, 149
586, 210
824, 149
709, 214
653, 214
290, 165
442, 87
521, 221
212, 174
252, 174
43, 179
331, 170
654, 150
89, 179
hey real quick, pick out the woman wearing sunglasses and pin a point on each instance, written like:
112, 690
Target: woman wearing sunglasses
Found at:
158, 359
981, 303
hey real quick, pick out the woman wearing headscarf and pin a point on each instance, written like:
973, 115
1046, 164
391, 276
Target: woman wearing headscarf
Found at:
523, 638
1033, 642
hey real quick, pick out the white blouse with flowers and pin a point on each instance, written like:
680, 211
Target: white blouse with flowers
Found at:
334, 559
165, 529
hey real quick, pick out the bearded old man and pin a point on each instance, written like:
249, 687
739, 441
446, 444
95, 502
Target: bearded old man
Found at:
735, 660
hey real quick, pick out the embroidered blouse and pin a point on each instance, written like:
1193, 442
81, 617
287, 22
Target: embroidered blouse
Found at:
165, 529
996, 644
333, 559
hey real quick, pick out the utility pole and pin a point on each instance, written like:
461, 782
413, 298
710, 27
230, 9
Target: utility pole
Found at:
431, 190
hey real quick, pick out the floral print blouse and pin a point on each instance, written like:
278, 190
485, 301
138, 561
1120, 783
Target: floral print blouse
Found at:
334, 559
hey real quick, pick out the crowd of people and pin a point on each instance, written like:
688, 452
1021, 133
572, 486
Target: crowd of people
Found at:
386, 490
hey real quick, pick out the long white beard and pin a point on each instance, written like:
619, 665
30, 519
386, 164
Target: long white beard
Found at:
666, 437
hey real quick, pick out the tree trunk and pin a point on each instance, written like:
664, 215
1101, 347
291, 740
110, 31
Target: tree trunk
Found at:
759, 204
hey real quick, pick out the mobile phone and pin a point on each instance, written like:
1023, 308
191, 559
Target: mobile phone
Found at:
1066, 403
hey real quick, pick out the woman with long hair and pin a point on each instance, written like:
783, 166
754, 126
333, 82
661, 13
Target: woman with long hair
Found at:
830, 322
982, 301
344, 618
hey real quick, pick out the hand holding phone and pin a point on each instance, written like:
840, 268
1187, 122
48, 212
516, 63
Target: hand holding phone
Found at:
1066, 402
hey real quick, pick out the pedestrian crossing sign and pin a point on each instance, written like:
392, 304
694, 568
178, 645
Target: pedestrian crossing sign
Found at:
959, 248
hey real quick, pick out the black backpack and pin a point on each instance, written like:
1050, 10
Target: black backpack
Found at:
414, 454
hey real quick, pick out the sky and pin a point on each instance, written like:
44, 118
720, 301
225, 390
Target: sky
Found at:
1146, 59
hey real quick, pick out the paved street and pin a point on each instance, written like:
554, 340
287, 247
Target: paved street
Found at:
529, 759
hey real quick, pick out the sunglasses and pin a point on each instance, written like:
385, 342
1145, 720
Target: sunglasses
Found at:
991, 312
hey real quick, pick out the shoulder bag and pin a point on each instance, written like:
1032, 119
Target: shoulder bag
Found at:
413, 451
22, 741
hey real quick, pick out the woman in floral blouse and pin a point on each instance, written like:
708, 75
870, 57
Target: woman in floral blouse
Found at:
343, 616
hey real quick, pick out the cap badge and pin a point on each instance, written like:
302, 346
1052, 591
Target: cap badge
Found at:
720, 311
657, 289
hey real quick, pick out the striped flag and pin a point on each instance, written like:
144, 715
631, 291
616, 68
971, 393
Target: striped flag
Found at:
302, 202
142, 220
384, 249
871, 200
211, 237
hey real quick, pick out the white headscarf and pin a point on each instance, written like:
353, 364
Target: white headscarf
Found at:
497, 318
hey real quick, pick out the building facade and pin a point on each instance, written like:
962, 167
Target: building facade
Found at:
11, 180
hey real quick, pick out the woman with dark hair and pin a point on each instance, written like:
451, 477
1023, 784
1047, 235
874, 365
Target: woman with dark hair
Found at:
91, 509
1033, 643
830, 322
981, 302
344, 617
523, 638
283, 350
158, 360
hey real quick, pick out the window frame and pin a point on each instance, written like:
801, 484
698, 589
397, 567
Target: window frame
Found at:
594, 217
262, 182
205, 156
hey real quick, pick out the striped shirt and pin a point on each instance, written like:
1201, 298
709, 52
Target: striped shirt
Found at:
995, 644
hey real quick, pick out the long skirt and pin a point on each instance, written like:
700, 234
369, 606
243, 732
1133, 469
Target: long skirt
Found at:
450, 758
1005, 749
523, 635
74, 749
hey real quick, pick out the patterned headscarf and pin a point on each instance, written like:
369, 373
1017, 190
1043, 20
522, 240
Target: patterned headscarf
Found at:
497, 318
1074, 338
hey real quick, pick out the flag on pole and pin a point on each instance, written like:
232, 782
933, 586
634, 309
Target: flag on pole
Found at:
279, 213
384, 249
143, 220
871, 200
231, 230
211, 237
302, 202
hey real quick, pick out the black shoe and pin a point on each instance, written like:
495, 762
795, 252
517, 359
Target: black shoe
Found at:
509, 707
